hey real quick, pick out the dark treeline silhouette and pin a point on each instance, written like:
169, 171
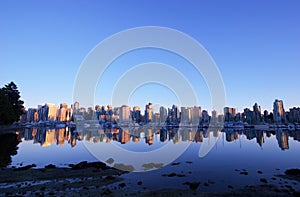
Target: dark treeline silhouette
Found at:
11, 107
9, 146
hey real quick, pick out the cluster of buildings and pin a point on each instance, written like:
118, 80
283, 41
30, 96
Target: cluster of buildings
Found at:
174, 115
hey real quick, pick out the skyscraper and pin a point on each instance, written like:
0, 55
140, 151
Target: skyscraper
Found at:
278, 112
148, 113
163, 114
124, 114
257, 113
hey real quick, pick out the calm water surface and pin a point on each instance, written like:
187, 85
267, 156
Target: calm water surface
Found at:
235, 151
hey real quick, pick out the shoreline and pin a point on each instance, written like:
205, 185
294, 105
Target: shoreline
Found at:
95, 178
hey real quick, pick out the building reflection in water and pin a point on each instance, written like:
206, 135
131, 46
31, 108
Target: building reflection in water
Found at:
47, 136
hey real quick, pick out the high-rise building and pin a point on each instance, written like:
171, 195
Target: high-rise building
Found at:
47, 112
148, 113
136, 114
278, 112
294, 115
62, 112
248, 116
124, 116
163, 114
257, 112
197, 114
229, 113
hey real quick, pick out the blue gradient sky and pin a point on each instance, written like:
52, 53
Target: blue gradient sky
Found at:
255, 44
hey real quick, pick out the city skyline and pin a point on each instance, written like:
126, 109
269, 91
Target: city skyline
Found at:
184, 114
255, 45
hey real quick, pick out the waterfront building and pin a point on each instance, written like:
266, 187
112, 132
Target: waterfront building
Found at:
197, 114
294, 115
136, 114
124, 114
278, 112
256, 113
148, 113
229, 113
163, 114
248, 116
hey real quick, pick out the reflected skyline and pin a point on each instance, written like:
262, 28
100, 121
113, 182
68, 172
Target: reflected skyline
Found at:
150, 135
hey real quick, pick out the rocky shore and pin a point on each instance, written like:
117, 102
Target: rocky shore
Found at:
97, 179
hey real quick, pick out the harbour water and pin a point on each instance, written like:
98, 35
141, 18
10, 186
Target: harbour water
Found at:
238, 157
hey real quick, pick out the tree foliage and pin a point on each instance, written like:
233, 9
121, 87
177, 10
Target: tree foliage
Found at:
11, 107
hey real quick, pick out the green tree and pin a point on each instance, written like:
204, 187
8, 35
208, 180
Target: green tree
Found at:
11, 93
6, 111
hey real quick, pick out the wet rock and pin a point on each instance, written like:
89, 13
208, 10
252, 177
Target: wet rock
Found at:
263, 180
148, 166
273, 178
24, 167
259, 172
107, 191
109, 177
293, 172
193, 185
173, 174
175, 163
230, 186
122, 185
85, 164
123, 167
188, 162
288, 186
50, 166
206, 184
43, 188
110, 161
139, 183
244, 173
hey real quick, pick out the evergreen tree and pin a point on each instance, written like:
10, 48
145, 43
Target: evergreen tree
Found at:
6, 111
10, 102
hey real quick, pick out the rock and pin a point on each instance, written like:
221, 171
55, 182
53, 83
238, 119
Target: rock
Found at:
122, 185
85, 164
107, 191
230, 186
24, 167
193, 185
109, 177
188, 162
110, 161
206, 184
244, 173
50, 166
288, 186
259, 172
175, 163
293, 172
263, 180
139, 183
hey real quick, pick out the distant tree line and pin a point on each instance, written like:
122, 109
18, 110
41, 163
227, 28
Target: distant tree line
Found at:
11, 107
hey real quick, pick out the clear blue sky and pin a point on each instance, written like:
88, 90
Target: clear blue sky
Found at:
256, 45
